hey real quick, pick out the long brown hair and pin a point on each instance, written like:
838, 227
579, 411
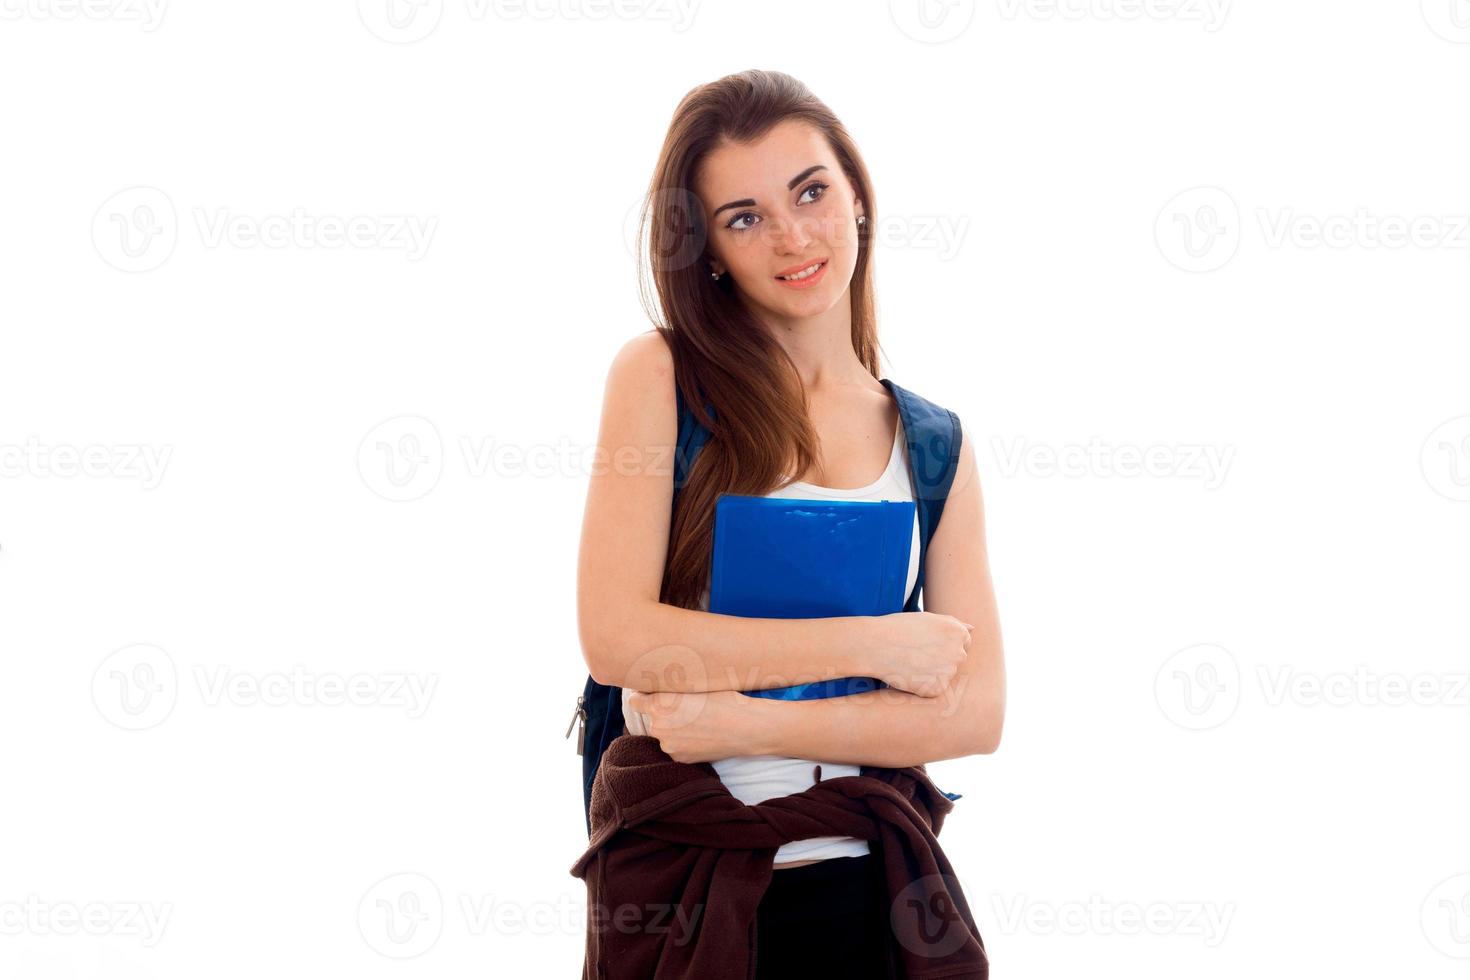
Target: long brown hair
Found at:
723, 357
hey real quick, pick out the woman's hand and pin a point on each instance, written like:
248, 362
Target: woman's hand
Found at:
699, 726
918, 652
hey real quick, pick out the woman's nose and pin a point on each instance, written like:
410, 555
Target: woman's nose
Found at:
793, 234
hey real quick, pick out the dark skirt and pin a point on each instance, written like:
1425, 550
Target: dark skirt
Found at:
828, 919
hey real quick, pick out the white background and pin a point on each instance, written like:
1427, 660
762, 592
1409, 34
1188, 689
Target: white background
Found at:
1099, 226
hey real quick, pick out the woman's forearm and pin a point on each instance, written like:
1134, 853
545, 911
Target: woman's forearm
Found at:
660, 647
888, 727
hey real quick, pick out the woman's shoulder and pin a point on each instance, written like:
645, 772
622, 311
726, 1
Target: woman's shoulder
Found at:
642, 371
639, 400
646, 356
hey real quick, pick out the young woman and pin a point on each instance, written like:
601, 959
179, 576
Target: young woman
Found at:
758, 227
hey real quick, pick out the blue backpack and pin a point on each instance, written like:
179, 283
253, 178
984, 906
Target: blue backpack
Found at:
933, 437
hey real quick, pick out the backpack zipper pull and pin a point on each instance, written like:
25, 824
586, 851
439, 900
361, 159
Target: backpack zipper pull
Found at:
579, 719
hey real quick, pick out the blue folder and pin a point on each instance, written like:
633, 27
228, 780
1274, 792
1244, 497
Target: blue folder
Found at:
783, 558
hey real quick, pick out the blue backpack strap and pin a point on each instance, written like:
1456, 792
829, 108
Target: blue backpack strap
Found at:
691, 439
933, 435
602, 702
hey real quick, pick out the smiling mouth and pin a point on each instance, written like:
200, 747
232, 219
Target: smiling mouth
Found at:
806, 273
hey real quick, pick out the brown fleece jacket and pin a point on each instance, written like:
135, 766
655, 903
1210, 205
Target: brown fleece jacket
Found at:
676, 867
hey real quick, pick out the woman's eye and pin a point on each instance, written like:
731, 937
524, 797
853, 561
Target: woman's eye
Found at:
734, 222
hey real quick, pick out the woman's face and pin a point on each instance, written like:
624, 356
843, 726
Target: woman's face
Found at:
775, 207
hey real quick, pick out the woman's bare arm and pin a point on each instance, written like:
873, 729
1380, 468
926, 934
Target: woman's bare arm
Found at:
895, 728
631, 639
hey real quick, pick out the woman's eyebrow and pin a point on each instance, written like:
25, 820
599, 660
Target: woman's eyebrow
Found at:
746, 202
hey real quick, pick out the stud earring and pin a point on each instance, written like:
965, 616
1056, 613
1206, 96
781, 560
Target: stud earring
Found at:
714, 275
862, 219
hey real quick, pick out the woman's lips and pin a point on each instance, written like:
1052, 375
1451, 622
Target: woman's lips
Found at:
806, 283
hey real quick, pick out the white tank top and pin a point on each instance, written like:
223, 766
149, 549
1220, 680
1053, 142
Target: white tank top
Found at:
756, 778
